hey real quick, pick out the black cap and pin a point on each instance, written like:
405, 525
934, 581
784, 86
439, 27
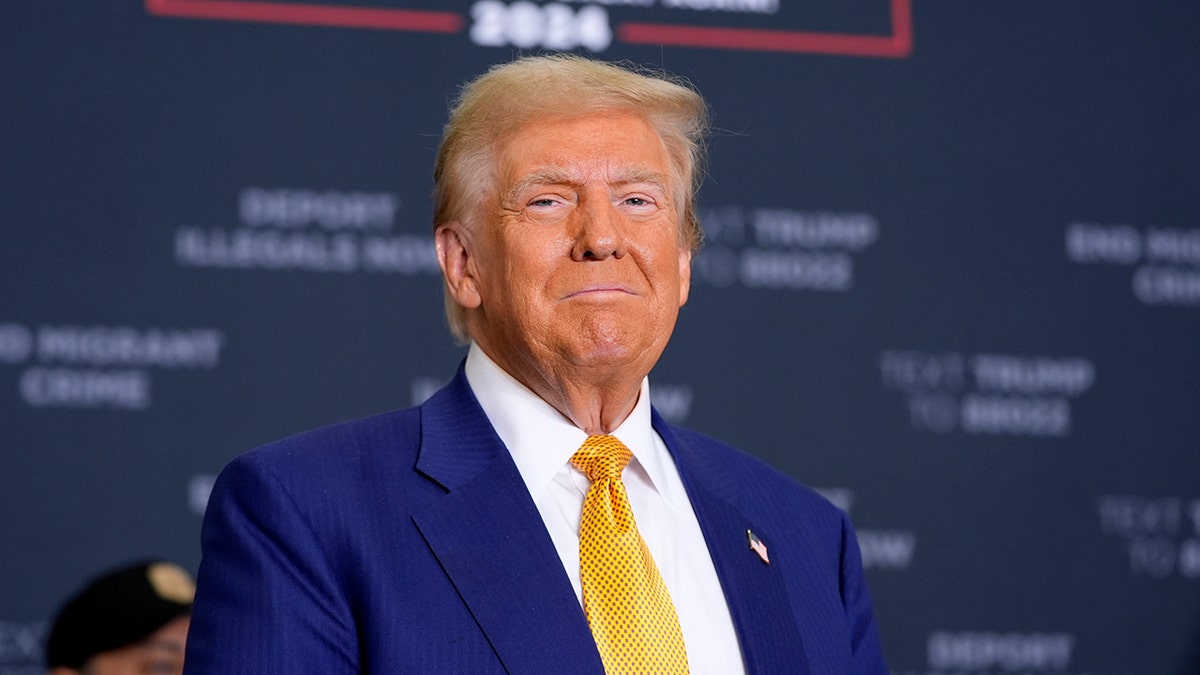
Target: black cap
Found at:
117, 609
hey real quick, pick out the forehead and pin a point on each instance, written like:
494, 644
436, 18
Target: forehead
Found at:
601, 146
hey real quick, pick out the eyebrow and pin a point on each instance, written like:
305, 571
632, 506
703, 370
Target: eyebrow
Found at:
560, 176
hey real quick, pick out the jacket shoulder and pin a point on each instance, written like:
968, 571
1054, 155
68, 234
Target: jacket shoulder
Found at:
336, 449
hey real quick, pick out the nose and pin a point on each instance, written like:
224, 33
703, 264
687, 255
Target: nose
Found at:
598, 231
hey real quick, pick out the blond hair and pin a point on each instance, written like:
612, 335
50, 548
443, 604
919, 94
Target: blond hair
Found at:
510, 95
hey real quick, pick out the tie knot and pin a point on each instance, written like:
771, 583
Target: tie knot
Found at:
601, 457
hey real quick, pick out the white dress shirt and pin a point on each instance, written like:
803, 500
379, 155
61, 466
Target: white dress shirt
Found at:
542, 441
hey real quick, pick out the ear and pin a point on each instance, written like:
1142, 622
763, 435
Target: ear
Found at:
455, 254
685, 274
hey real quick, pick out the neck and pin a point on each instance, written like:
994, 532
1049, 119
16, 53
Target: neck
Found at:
596, 407
595, 398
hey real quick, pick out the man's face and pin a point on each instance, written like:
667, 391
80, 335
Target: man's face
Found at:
578, 263
159, 654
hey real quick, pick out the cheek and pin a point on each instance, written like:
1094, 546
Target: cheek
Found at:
533, 259
667, 259
520, 288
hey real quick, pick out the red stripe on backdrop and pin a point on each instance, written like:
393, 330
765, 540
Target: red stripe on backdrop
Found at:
897, 45
311, 15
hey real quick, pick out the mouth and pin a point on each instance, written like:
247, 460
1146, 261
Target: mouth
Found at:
600, 291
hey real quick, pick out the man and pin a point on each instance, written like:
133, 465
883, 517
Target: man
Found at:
492, 529
129, 621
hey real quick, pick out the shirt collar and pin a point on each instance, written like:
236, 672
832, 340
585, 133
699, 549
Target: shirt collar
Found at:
541, 440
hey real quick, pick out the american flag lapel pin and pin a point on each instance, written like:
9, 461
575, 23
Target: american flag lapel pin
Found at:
757, 546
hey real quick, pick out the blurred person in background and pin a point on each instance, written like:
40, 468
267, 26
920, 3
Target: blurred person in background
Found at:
129, 621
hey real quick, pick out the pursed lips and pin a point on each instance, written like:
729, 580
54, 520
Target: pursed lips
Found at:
599, 291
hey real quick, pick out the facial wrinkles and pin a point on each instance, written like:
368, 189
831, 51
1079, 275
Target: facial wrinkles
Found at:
554, 176
577, 183
514, 218
577, 177
575, 172
580, 330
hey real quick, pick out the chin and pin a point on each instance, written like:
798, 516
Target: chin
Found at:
617, 355
613, 341
606, 355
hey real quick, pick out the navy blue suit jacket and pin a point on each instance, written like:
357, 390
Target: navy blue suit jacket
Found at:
408, 543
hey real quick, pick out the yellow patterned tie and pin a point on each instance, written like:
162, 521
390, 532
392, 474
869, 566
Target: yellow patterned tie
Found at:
626, 602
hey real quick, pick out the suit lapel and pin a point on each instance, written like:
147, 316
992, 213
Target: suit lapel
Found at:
755, 592
488, 536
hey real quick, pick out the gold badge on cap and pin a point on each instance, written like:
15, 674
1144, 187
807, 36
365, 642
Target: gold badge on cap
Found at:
170, 582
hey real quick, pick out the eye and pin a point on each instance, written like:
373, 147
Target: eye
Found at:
640, 204
548, 200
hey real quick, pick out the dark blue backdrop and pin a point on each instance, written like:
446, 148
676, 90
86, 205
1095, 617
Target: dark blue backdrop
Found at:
952, 280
